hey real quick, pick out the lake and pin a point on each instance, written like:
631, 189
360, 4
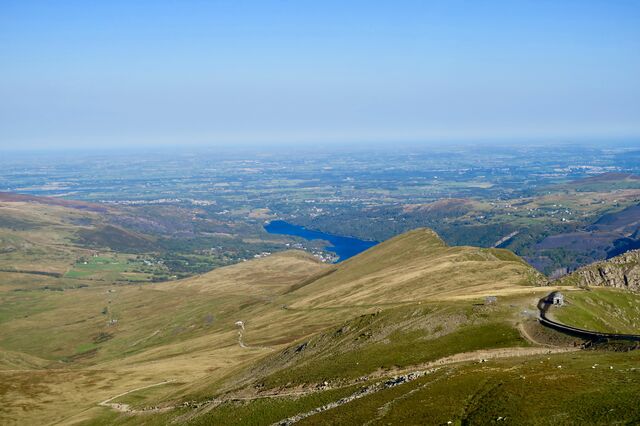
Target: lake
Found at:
343, 247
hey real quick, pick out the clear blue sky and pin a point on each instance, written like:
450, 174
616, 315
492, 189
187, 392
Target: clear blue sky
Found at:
110, 73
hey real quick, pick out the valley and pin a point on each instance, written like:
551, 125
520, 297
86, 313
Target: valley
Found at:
204, 209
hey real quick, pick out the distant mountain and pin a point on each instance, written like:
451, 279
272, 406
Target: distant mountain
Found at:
604, 181
52, 201
610, 235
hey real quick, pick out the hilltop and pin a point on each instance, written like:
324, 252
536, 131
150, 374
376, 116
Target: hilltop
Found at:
418, 265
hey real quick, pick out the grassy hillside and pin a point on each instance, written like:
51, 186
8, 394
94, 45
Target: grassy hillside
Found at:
122, 336
274, 337
417, 266
391, 339
530, 391
64, 240
586, 388
606, 310
43, 236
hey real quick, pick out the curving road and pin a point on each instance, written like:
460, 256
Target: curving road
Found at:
543, 307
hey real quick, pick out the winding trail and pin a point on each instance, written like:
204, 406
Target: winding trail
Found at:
525, 333
240, 325
368, 390
126, 408
241, 329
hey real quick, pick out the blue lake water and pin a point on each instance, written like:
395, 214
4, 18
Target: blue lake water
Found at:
343, 247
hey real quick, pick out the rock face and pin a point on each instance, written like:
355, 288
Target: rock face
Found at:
622, 271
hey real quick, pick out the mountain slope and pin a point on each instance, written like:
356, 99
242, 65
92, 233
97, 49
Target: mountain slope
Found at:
414, 266
94, 342
266, 276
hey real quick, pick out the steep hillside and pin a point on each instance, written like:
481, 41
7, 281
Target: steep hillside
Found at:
415, 266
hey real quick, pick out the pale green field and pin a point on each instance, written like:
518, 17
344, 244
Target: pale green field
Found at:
601, 309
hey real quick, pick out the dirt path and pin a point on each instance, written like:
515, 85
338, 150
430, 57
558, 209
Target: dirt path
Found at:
368, 390
241, 328
241, 340
155, 333
125, 408
505, 238
477, 356
240, 325
525, 333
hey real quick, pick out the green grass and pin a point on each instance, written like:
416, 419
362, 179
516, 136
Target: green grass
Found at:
605, 310
402, 350
109, 417
532, 390
14, 305
56, 325
264, 411
85, 347
421, 334
107, 269
186, 331
268, 411
51, 324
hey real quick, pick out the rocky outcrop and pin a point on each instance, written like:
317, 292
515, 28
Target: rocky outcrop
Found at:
622, 271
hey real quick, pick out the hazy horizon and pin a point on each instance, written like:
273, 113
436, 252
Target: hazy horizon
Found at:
290, 147
118, 74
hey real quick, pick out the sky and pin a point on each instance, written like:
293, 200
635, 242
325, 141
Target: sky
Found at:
116, 73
